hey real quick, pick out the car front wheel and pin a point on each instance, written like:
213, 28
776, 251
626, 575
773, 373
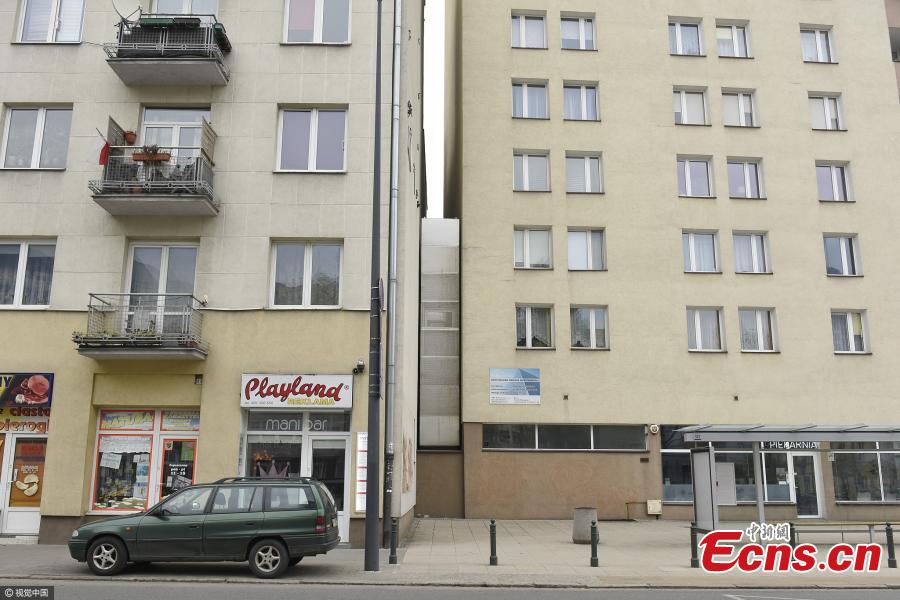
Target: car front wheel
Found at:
268, 559
107, 556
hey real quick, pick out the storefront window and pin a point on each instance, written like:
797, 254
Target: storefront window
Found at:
508, 437
745, 482
778, 487
178, 465
564, 437
890, 476
274, 456
856, 477
676, 472
123, 472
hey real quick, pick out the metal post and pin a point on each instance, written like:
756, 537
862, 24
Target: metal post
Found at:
793, 535
373, 473
892, 553
758, 478
493, 543
393, 558
595, 562
695, 559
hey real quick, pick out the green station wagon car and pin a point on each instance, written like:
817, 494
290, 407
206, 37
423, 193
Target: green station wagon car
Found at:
271, 523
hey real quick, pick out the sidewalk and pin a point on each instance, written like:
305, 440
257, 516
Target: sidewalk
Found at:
455, 553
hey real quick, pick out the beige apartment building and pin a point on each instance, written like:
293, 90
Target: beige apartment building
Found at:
671, 213
186, 201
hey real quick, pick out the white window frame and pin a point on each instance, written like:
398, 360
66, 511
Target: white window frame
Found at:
20, 272
734, 39
836, 168
38, 138
754, 252
526, 250
593, 325
823, 36
688, 191
586, 159
318, 21
307, 275
692, 252
165, 247
743, 98
526, 113
826, 107
313, 139
53, 27
528, 331
760, 314
748, 177
682, 92
696, 325
848, 314
522, 16
582, 30
679, 44
187, 7
583, 88
853, 240
589, 247
526, 181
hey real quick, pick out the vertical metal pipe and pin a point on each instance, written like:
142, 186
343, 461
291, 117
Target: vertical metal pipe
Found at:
758, 478
391, 383
493, 530
393, 557
595, 562
373, 473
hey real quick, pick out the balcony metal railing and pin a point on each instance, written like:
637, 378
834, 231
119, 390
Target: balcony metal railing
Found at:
130, 170
143, 321
171, 36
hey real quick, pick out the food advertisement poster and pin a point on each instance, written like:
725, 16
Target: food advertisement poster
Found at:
25, 402
28, 474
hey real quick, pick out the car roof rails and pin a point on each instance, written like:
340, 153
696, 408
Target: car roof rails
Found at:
262, 479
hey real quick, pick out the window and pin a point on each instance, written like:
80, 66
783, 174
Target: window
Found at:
36, 138
757, 330
738, 109
534, 327
307, 274
317, 21
312, 139
236, 499
586, 250
694, 177
532, 248
700, 254
508, 437
179, 130
52, 21
577, 33
192, 501
186, 7
833, 181
705, 330
817, 45
620, 437
841, 255
580, 102
684, 38
583, 174
615, 438
589, 328
676, 465
528, 31
849, 332
871, 476
26, 273
744, 179
825, 112
750, 253
531, 172
290, 498
689, 107
732, 41
529, 100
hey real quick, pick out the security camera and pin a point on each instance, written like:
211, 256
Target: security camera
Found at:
360, 366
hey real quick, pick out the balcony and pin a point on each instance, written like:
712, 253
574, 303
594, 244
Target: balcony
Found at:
143, 326
156, 181
170, 50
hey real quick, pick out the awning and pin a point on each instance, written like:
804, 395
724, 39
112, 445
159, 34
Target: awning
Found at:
791, 433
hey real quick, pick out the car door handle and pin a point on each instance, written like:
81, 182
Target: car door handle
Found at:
193, 527
251, 523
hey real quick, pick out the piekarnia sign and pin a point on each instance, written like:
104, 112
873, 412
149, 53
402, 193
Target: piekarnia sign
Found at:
296, 391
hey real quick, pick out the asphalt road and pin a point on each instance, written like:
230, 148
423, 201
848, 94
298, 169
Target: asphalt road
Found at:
112, 590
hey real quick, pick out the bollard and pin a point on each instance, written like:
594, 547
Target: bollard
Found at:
892, 553
792, 536
393, 557
595, 562
493, 543
695, 560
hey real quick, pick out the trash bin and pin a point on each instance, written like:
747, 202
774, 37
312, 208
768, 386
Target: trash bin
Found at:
581, 524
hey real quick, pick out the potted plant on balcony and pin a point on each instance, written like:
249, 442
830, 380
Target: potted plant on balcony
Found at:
151, 153
130, 137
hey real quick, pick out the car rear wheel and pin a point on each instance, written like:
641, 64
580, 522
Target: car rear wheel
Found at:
107, 556
268, 559
295, 560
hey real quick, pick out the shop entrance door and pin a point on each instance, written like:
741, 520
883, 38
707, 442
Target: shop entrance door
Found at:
806, 487
325, 459
21, 483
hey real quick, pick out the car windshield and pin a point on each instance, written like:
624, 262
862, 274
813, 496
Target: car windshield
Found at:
189, 502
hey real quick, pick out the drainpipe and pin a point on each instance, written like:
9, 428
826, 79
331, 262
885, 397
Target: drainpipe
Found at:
392, 281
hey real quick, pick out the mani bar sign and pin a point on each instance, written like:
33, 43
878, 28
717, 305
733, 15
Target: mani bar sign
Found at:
260, 390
